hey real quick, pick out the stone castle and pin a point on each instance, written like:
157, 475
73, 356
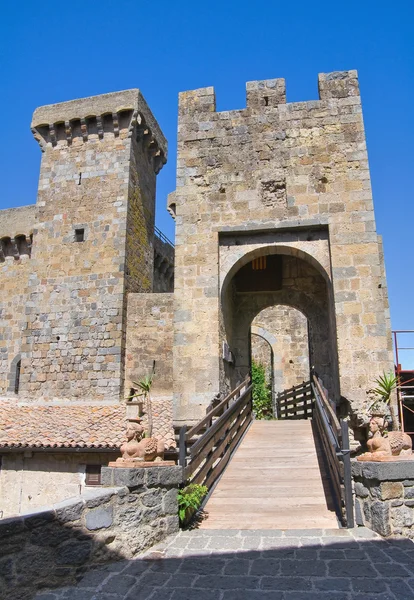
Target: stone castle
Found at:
276, 244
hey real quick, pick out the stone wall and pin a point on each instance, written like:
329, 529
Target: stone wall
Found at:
149, 339
17, 221
29, 480
277, 167
163, 265
384, 497
287, 329
52, 547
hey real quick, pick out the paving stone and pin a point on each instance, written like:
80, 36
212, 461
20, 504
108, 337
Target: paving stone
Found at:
154, 579
350, 568
366, 584
315, 596
195, 593
224, 543
202, 566
252, 543
238, 567
164, 566
391, 570
265, 566
77, 594
303, 567
118, 584
332, 584
148, 592
285, 583
228, 582
374, 596
138, 567
330, 554
252, 595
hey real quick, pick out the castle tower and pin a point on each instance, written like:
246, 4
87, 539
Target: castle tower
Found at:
92, 243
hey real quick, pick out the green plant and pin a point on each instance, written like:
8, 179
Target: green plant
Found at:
189, 500
386, 384
144, 389
261, 395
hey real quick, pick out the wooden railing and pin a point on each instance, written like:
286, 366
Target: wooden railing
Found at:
334, 436
295, 403
206, 448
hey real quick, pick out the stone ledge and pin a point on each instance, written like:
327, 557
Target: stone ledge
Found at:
394, 471
136, 477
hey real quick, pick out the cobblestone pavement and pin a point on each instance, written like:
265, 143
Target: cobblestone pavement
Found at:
251, 565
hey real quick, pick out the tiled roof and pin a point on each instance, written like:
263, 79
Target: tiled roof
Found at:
77, 426
35, 426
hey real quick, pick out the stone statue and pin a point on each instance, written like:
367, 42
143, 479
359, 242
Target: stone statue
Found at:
137, 447
386, 444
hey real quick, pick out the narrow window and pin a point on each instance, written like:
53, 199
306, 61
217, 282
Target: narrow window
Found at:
17, 377
79, 235
93, 475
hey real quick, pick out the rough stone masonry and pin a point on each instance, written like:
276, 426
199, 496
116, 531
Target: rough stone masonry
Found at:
283, 181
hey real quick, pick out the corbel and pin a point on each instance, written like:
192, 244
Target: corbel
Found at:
84, 129
116, 124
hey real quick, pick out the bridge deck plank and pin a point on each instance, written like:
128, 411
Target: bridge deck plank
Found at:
275, 480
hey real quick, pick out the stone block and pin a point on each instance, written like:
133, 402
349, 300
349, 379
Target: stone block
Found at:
361, 490
380, 518
403, 516
11, 526
382, 471
131, 478
69, 510
359, 520
73, 552
391, 490
170, 502
164, 476
99, 518
39, 519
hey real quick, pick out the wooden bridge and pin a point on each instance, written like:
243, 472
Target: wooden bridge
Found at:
289, 473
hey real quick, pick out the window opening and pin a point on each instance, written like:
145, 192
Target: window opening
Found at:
17, 378
93, 475
79, 235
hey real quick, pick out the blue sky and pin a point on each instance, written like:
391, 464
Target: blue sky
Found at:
52, 51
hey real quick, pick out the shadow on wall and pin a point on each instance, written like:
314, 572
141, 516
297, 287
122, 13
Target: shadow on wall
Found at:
55, 546
258, 565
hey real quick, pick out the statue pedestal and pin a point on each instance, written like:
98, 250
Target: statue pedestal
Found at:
373, 458
140, 464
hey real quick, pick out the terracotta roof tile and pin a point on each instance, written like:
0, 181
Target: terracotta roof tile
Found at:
77, 426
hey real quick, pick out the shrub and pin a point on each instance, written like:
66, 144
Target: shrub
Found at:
261, 394
189, 500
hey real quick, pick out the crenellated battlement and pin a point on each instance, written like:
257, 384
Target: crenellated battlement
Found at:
120, 114
271, 93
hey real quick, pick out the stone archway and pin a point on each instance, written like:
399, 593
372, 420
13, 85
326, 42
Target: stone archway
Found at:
302, 284
284, 331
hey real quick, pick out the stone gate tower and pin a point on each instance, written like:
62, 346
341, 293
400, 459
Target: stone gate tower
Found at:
274, 207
